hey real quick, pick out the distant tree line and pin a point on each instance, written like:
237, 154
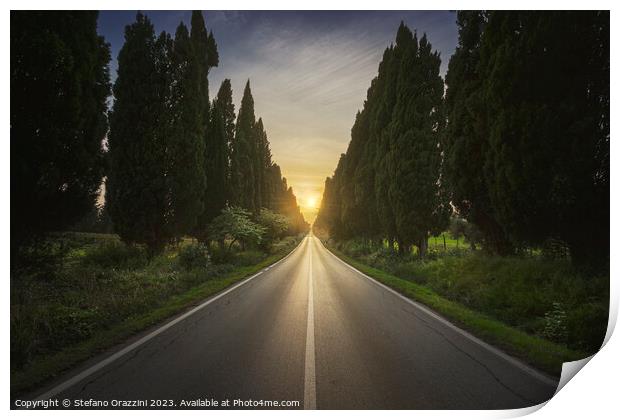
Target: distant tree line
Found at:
172, 160
518, 145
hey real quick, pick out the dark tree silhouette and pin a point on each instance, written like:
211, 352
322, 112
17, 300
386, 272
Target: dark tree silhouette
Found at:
220, 137
186, 145
59, 87
137, 194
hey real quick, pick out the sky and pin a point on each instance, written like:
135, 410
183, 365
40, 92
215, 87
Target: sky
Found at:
309, 72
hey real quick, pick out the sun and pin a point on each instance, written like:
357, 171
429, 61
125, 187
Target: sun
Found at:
311, 202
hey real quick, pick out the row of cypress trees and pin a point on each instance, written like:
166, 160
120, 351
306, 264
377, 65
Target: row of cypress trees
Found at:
385, 186
177, 160
172, 160
519, 144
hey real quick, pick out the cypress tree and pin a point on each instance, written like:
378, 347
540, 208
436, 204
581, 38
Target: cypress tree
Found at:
257, 162
220, 137
186, 145
244, 152
384, 157
419, 207
465, 137
331, 204
264, 162
212, 54
352, 212
215, 146
59, 87
206, 56
136, 189
291, 210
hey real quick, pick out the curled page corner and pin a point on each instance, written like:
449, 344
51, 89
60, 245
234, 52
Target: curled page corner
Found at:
569, 370
519, 412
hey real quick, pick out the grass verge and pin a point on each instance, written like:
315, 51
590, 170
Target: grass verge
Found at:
47, 367
538, 352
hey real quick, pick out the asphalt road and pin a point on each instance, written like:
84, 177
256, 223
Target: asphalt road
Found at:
312, 329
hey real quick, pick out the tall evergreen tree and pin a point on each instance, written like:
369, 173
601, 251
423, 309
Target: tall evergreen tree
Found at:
277, 188
206, 57
263, 163
465, 137
136, 190
59, 88
215, 158
244, 151
220, 137
383, 163
330, 211
352, 212
186, 145
419, 207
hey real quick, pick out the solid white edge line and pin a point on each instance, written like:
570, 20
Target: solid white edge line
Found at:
309, 376
516, 363
98, 366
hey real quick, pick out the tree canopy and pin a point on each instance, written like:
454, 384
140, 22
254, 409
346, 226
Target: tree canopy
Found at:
59, 88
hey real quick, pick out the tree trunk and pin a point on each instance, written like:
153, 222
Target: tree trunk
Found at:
422, 247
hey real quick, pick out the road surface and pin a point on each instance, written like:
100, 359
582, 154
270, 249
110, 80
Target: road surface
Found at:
311, 330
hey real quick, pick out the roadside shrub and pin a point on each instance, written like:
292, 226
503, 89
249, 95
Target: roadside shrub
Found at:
24, 327
222, 255
116, 255
194, 256
285, 245
69, 324
274, 224
587, 324
248, 258
381, 257
555, 324
39, 261
356, 248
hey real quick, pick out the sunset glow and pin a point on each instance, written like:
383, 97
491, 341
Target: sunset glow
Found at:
311, 202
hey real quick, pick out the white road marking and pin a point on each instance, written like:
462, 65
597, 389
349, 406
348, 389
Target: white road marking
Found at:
86, 373
309, 377
516, 363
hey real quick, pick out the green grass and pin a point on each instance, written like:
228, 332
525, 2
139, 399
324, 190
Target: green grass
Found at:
535, 350
103, 293
437, 242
